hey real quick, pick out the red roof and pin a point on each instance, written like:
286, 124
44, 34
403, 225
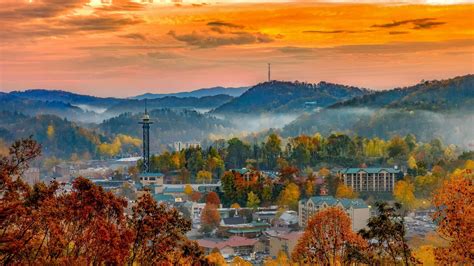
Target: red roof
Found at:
291, 236
234, 241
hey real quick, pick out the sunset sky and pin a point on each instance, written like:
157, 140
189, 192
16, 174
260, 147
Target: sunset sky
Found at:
127, 48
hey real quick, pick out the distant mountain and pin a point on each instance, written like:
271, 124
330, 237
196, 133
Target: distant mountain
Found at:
283, 97
234, 92
202, 103
66, 97
434, 108
11, 102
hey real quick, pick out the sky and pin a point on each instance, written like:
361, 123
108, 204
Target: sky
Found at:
123, 48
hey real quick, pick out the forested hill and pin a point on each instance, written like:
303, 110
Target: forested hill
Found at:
58, 137
282, 97
436, 95
206, 103
10, 102
66, 97
168, 126
443, 109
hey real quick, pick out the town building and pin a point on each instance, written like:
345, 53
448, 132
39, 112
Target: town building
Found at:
370, 179
233, 246
285, 242
357, 210
238, 226
179, 145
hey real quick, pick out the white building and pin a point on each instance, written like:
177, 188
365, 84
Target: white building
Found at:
357, 210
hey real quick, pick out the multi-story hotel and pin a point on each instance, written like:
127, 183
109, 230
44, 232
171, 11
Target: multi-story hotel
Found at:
356, 209
370, 179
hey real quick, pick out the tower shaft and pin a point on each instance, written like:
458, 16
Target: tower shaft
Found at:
146, 148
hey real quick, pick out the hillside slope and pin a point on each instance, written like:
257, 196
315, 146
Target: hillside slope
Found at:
283, 97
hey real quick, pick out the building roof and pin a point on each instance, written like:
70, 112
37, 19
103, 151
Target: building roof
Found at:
290, 236
241, 171
173, 190
245, 230
151, 175
109, 183
346, 203
234, 241
373, 170
163, 198
234, 220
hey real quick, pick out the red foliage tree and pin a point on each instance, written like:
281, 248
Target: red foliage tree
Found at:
45, 225
196, 196
210, 218
328, 239
213, 198
159, 236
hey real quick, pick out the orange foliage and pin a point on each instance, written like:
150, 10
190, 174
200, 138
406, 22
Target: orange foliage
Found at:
87, 226
327, 239
455, 217
213, 198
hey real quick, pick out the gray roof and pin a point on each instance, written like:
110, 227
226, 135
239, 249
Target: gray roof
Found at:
373, 170
151, 175
347, 203
234, 220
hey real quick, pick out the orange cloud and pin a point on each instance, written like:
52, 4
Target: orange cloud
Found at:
128, 48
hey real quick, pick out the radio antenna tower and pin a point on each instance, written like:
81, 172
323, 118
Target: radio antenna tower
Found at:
269, 72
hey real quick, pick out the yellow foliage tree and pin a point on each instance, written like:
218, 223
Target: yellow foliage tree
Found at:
289, 196
404, 193
280, 260
469, 165
204, 176
215, 258
411, 162
324, 172
344, 191
188, 190
425, 255
50, 132
235, 205
238, 261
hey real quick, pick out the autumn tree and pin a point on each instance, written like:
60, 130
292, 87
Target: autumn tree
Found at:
235, 205
43, 225
216, 258
344, 191
252, 200
160, 235
455, 218
196, 196
327, 239
404, 193
204, 176
290, 196
238, 261
386, 235
280, 260
188, 190
213, 198
210, 218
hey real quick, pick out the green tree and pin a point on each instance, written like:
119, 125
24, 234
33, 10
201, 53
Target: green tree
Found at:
252, 200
